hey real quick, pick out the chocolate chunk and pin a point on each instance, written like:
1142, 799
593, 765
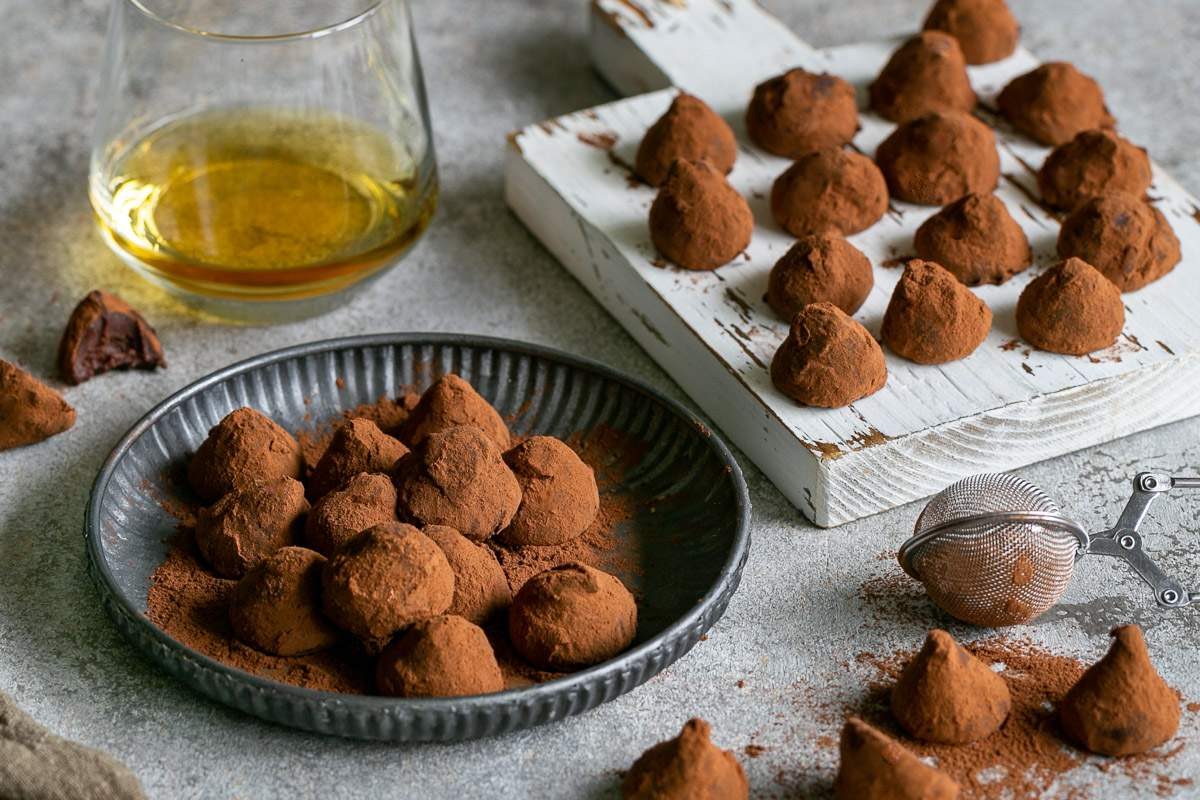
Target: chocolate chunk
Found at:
106, 333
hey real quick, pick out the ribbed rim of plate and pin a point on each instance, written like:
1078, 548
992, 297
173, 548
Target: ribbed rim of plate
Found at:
730, 571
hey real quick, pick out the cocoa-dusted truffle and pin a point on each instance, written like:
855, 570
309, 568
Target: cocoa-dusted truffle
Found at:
30, 411
250, 523
688, 767
689, 129
798, 112
1070, 308
927, 73
366, 500
829, 191
1128, 240
559, 497
1053, 103
947, 695
357, 446
276, 607
1121, 706
985, 29
572, 616
936, 159
458, 478
1092, 164
875, 766
242, 448
451, 402
481, 589
932, 318
976, 240
105, 333
385, 579
698, 220
445, 656
820, 268
828, 359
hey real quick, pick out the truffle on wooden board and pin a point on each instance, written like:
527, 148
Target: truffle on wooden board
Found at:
698, 221
448, 403
444, 656
875, 766
30, 411
249, 524
1092, 164
828, 359
819, 268
559, 496
976, 240
1053, 103
276, 606
688, 767
829, 191
106, 333
932, 318
366, 500
938, 158
926, 74
481, 590
690, 130
1127, 239
986, 30
244, 447
1071, 309
357, 446
798, 112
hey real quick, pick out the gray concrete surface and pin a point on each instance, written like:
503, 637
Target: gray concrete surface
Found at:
491, 67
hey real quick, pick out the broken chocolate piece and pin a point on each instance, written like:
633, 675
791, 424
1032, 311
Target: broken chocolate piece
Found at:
106, 333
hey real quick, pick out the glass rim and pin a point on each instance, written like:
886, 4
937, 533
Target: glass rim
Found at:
312, 33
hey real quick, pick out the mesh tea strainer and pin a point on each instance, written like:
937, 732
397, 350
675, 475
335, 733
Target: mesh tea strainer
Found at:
995, 550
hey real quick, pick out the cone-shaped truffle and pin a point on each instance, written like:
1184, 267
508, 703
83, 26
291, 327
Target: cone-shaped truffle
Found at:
1053, 103
480, 588
828, 360
1121, 706
451, 402
938, 158
829, 191
445, 656
698, 220
688, 767
976, 240
30, 411
926, 74
559, 496
243, 448
357, 446
689, 129
1128, 240
1071, 309
366, 500
798, 112
821, 268
1092, 164
249, 524
932, 318
876, 767
276, 607
106, 333
985, 29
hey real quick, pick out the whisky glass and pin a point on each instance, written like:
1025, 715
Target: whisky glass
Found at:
262, 160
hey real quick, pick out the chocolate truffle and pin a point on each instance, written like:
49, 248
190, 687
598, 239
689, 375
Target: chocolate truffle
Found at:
276, 606
445, 656
481, 589
366, 500
689, 129
876, 767
385, 579
1071, 309
936, 159
250, 523
688, 767
698, 220
976, 240
1128, 240
798, 112
947, 695
927, 73
829, 191
571, 616
357, 446
559, 497
985, 29
30, 411
1121, 706
820, 268
1092, 164
458, 478
1053, 103
243, 448
451, 402
932, 318
828, 359
106, 333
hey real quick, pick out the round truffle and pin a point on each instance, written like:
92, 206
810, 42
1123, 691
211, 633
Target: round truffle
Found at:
445, 656
875, 766
690, 130
936, 159
559, 497
366, 500
357, 446
698, 220
828, 360
798, 112
571, 616
976, 240
1071, 309
1090, 165
1128, 240
458, 478
829, 191
276, 607
932, 318
480, 588
250, 523
1054, 103
243, 448
820, 268
985, 29
926, 74
451, 402
688, 767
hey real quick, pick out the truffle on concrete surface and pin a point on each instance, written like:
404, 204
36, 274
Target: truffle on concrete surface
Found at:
829, 191
938, 158
559, 496
106, 333
481, 589
819, 268
448, 403
249, 524
357, 446
976, 240
1127, 239
444, 656
986, 30
366, 500
875, 766
243, 448
276, 606
691, 130
698, 221
688, 767
932, 318
1071, 309
1092, 164
926, 74
1053, 103
30, 411
798, 112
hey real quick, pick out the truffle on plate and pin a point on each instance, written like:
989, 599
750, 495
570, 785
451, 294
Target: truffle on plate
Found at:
1127, 239
276, 606
448, 403
444, 656
1053, 103
819, 268
798, 112
875, 766
926, 74
1071, 309
243, 448
249, 524
829, 191
932, 318
559, 496
30, 411
689, 129
481, 589
986, 30
698, 221
1092, 164
976, 240
938, 158
106, 333
366, 500
357, 446
688, 767
828, 359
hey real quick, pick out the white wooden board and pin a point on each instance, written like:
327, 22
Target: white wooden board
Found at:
1004, 406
